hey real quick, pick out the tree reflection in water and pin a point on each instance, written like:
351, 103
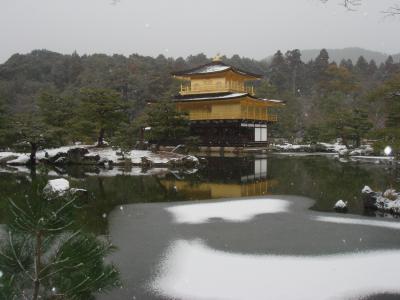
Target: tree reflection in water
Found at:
43, 253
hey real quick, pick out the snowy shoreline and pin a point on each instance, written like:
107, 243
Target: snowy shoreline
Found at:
91, 155
363, 154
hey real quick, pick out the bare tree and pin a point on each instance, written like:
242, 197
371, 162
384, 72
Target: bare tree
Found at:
353, 4
393, 11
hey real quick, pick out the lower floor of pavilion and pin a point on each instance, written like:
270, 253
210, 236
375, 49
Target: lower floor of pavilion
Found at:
230, 132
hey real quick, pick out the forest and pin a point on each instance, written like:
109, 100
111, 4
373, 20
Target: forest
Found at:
50, 99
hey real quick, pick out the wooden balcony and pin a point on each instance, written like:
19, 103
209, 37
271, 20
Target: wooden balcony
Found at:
201, 116
230, 86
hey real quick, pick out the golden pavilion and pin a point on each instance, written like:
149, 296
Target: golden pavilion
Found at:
222, 107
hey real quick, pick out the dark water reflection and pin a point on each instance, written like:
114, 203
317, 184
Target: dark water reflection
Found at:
323, 179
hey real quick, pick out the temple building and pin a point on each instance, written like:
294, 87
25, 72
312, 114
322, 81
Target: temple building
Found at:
222, 107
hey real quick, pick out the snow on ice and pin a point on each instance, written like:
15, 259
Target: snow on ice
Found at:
192, 270
234, 211
353, 221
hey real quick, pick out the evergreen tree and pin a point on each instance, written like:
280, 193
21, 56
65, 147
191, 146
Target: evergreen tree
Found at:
321, 63
167, 125
29, 129
278, 72
389, 93
319, 69
46, 255
361, 66
56, 113
360, 125
293, 59
101, 111
372, 68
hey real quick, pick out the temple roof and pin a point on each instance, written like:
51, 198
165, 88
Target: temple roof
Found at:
214, 67
222, 96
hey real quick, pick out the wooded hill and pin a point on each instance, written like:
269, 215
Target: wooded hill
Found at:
348, 99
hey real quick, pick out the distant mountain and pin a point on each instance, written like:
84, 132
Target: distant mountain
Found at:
352, 53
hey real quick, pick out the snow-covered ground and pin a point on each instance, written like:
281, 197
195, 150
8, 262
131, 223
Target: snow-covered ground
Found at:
192, 270
236, 211
106, 155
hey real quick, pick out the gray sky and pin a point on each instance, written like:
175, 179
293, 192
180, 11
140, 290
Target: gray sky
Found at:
252, 28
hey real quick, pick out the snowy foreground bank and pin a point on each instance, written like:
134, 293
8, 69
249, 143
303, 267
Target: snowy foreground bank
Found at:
90, 155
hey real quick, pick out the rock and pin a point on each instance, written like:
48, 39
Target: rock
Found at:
91, 159
366, 190
340, 206
58, 156
390, 194
146, 163
190, 161
76, 155
369, 198
56, 187
389, 201
343, 152
61, 160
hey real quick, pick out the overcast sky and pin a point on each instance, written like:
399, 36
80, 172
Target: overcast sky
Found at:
251, 28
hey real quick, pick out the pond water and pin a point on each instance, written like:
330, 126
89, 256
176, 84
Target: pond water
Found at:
143, 232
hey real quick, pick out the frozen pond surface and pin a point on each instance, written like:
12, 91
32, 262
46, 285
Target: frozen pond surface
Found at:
278, 254
268, 232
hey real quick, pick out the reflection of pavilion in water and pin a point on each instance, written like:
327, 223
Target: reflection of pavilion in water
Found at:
225, 178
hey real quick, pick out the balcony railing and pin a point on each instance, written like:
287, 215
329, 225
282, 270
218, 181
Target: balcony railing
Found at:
229, 86
198, 116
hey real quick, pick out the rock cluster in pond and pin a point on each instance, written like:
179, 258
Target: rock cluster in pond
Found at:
389, 201
86, 155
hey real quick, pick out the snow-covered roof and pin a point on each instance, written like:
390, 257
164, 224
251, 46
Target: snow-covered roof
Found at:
223, 96
210, 69
214, 67
216, 97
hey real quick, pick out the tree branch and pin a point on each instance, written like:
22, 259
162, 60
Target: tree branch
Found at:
392, 11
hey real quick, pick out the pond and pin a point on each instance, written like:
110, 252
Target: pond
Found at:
131, 212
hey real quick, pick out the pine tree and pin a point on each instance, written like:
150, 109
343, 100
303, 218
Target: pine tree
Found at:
372, 68
46, 255
28, 128
319, 69
361, 66
167, 125
295, 68
101, 111
278, 73
57, 112
321, 63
